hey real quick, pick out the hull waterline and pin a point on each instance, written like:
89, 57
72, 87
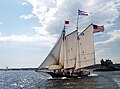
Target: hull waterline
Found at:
59, 75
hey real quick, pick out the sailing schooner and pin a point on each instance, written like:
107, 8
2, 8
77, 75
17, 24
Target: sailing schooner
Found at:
71, 54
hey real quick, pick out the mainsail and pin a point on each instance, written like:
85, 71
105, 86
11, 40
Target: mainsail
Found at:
86, 53
72, 51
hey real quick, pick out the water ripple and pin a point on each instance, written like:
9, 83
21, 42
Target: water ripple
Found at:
33, 80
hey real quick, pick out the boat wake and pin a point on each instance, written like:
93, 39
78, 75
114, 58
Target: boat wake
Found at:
62, 78
93, 75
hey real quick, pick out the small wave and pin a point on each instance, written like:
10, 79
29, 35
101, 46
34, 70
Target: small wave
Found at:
117, 80
14, 84
59, 78
50, 78
93, 75
63, 77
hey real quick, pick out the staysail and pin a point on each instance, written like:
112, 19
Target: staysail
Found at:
86, 53
52, 60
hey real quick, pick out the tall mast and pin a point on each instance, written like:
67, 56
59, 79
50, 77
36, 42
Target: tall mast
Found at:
64, 32
77, 20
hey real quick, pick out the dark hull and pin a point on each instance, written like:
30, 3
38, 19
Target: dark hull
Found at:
59, 75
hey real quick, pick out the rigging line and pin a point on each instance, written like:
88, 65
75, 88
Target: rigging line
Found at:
85, 29
87, 53
53, 57
86, 60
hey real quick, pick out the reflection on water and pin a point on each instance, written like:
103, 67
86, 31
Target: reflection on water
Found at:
33, 80
83, 83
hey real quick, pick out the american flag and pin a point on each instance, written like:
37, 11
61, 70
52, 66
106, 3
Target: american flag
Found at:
82, 13
98, 28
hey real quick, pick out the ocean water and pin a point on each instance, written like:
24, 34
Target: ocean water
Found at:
33, 80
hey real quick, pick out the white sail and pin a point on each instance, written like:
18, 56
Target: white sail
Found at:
71, 50
52, 60
62, 53
86, 55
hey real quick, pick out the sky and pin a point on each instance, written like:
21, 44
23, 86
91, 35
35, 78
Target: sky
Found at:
30, 28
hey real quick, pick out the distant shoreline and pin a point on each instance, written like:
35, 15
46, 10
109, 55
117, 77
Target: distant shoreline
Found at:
16, 69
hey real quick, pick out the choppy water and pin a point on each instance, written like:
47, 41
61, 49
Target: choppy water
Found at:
33, 80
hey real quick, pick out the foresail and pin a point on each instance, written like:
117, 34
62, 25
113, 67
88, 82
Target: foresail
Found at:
62, 54
71, 50
86, 49
53, 57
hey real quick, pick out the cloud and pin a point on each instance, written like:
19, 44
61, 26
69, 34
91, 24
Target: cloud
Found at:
29, 39
52, 13
113, 36
27, 16
109, 48
25, 3
40, 37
